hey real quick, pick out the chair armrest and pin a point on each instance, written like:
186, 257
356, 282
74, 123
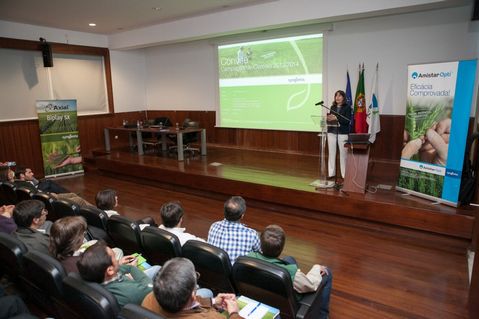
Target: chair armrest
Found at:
309, 305
302, 312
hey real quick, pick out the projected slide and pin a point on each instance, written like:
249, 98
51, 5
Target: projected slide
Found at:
271, 84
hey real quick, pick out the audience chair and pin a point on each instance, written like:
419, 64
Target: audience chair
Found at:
94, 217
12, 251
125, 234
132, 311
7, 194
47, 200
23, 193
159, 245
97, 222
212, 263
64, 207
46, 275
88, 299
272, 285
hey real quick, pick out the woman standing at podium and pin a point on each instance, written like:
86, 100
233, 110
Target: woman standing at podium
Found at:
338, 120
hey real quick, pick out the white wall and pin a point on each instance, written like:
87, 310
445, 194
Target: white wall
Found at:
395, 42
183, 76
128, 74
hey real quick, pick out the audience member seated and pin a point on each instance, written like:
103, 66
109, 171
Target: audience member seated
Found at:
172, 217
25, 179
272, 244
6, 174
13, 307
68, 242
107, 200
126, 282
67, 236
174, 294
33, 229
7, 224
230, 234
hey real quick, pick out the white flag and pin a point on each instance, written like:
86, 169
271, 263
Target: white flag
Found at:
373, 110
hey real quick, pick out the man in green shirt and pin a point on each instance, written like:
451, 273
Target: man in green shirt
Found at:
126, 282
272, 243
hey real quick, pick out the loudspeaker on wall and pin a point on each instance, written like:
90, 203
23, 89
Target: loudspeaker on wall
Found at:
47, 55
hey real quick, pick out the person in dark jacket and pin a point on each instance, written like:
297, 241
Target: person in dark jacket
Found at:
30, 217
338, 121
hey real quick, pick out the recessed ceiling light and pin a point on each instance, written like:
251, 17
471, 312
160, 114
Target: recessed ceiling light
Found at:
92, 24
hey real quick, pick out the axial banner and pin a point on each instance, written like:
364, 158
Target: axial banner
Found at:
59, 137
438, 107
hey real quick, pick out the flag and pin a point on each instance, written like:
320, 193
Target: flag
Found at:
360, 124
373, 109
349, 100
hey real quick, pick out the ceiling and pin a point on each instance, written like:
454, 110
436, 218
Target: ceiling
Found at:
110, 16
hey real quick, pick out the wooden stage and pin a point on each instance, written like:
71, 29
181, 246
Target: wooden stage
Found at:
280, 181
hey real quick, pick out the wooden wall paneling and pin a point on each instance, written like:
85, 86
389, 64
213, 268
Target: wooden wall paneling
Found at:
20, 142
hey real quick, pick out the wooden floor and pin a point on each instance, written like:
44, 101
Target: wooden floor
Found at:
278, 179
379, 272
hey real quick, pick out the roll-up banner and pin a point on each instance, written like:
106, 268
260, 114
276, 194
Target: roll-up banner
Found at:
439, 99
59, 137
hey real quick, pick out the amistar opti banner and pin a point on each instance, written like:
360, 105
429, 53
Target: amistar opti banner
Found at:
439, 99
59, 137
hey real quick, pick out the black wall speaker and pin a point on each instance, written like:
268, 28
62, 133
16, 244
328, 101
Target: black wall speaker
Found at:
46, 53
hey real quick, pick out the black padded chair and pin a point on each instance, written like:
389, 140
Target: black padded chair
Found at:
23, 193
188, 138
7, 194
212, 263
46, 275
12, 251
48, 201
125, 234
94, 216
159, 245
89, 300
64, 207
131, 311
272, 285
163, 121
97, 222
151, 139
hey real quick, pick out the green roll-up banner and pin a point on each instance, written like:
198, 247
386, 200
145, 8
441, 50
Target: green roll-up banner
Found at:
59, 137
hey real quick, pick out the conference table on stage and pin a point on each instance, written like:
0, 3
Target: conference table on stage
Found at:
163, 132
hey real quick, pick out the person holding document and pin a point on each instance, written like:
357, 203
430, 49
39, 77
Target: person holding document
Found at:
273, 239
338, 120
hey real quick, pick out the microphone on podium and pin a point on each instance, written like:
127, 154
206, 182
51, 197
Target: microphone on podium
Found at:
319, 103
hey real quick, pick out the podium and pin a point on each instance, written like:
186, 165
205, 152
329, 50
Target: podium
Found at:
322, 182
356, 167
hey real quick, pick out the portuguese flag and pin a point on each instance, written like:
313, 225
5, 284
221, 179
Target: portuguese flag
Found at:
360, 115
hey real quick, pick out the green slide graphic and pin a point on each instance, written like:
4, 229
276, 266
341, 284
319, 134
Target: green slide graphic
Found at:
271, 84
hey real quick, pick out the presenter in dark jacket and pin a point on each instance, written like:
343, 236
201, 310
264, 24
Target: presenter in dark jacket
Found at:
338, 130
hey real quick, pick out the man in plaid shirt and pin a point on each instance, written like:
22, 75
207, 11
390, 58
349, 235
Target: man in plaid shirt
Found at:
230, 234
